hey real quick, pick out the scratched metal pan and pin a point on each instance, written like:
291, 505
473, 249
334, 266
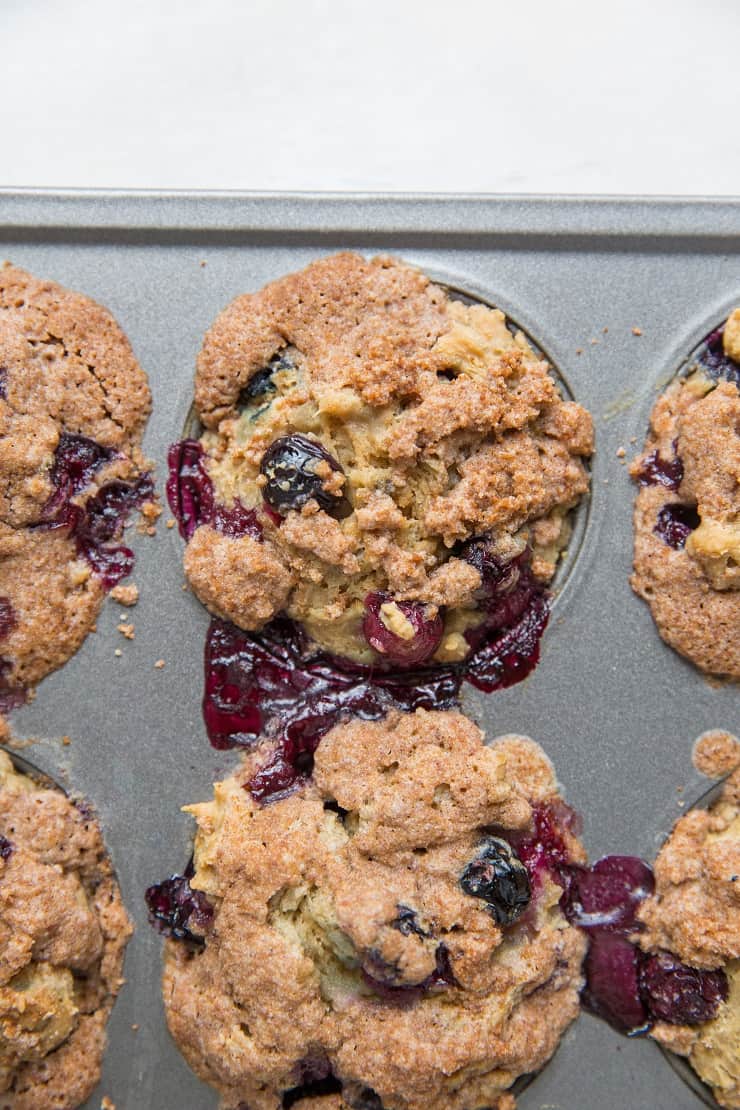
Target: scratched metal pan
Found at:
615, 709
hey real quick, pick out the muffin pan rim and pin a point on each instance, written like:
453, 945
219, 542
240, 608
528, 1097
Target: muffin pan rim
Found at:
64, 231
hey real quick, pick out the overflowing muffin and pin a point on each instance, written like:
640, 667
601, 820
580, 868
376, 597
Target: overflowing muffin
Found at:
73, 405
695, 913
687, 512
391, 468
391, 938
63, 931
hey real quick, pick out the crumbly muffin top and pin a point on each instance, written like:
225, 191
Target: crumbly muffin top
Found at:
63, 931
73, 405
687, 514
365, 426
378, 926
695, 912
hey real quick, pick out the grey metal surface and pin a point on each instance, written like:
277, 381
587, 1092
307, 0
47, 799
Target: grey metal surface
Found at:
615, 709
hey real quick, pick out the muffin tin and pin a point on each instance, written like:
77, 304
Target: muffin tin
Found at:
613, 706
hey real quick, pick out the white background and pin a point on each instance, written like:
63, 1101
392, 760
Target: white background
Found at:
469, 95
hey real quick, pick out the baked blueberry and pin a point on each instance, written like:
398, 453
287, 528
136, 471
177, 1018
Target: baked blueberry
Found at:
405, 633
500, 878
178, 911
680, 994
297, 470
675, 524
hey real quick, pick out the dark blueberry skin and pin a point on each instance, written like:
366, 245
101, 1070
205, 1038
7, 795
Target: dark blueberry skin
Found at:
407, 922
656, 471
382, 978
173, 905
189, 489
192, 500
102, 518
507, 589
499, 877
395, 649
612, 990
3, 383
76, 460
289, 465
609, 893
679, 994
261, 384
715, 363
363, 1098
6, 848
311, 1089
675, 524
8, 618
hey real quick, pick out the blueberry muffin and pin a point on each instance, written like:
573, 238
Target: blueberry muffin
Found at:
687, 511
63, 931
390, 467
389, 937
695, 913
73, 405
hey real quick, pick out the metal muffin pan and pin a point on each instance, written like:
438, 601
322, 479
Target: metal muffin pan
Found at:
615, 709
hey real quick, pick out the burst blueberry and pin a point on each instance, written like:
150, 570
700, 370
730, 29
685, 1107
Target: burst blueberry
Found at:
415, 637
174, 906
297, 470
679, 994
499, 877
675, 523
654, 470
261, 384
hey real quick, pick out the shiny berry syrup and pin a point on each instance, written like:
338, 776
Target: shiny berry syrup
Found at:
191, 498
